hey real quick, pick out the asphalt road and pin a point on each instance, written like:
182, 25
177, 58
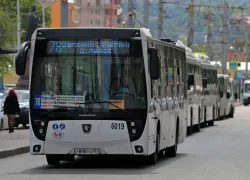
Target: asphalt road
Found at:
217, 153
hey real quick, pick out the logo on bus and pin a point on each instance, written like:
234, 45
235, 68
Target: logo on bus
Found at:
58, 134
86, 128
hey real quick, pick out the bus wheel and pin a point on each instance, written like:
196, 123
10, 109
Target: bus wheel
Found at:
1, 125
172, 151
53, 160
231, 115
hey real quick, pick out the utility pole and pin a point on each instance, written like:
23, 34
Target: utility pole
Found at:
18, 25
160, 18
224, 39
190, 24
208, 21
247, 50
64, 15
130, 14
145, 13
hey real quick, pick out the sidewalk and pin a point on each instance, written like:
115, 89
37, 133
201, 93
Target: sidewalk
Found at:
238, 104
14, 143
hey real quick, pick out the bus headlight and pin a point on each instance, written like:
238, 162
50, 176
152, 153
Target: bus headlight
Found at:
135, 128
40, 128
134, 131
40, 131
42, 123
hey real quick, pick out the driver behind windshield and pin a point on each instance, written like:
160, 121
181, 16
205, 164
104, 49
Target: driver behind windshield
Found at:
118, 89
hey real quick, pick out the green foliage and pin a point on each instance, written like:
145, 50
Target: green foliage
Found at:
8, 26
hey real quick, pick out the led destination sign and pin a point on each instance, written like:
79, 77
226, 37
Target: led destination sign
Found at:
88, 47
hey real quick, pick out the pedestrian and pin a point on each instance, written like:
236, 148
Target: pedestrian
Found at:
11, 108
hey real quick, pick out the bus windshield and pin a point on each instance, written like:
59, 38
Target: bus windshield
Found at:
70, 77
247, 88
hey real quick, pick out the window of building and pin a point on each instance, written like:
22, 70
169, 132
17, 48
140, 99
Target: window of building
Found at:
98, 3
90, 21
106, 11
97, 11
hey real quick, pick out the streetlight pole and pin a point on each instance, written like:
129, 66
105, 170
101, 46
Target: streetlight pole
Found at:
18, 25
247, 52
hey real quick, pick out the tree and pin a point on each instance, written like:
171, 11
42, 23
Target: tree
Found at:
25, 5
7, 37
8, 26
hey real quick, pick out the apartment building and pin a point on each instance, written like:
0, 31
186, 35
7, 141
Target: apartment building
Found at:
89, 13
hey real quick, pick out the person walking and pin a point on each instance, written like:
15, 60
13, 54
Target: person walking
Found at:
11, 108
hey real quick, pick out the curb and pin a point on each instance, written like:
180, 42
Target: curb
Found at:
238, 104
13, 152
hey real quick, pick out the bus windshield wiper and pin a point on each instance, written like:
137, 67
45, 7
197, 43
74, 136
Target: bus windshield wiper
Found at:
106, 102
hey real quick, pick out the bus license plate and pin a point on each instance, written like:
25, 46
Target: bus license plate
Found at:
81, 151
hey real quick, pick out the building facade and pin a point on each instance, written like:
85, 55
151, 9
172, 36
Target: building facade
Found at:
89, 13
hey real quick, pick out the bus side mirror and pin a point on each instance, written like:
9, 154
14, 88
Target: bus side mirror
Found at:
204, 82
221, 94
228, 95
21, 58
154, 64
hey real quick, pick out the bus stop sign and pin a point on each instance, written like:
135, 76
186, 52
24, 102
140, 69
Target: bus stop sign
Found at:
233, 66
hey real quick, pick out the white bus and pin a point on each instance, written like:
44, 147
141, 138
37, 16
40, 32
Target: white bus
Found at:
246, 93
194, 93
232, 99
210, 89
104, 91
227, 101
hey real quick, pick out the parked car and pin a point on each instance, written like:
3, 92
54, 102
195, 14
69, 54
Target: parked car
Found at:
23, 116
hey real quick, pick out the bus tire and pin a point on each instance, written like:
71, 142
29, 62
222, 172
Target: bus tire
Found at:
231, 115
172, 151
153, 158
1, 125
53, 160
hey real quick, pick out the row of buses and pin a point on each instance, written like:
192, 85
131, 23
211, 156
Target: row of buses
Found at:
109, 91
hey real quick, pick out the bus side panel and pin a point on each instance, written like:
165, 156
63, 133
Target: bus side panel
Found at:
182, 123
165, 129
152, 132
189, 115
195, 114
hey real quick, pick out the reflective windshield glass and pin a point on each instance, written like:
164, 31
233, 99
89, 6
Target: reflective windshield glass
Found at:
69, 77
22, 95
247, 88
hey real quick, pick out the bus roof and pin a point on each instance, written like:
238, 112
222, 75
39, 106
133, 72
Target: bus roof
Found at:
91, 32
205, 61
